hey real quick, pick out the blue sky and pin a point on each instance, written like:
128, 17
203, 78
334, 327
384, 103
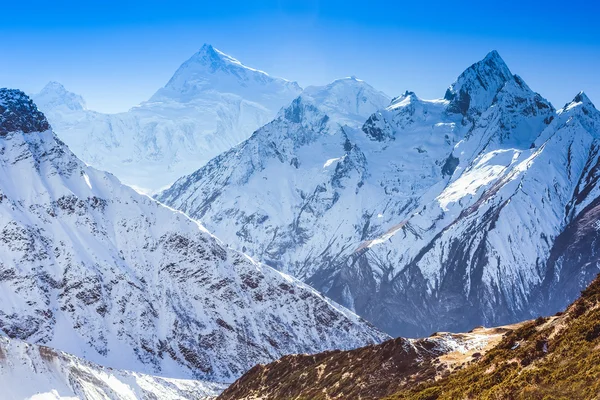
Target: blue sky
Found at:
117, 55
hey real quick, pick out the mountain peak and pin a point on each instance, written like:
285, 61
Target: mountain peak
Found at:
475, 89
581, 97
582, 107
211, 70
54, 86
215, 58
495, 57
55, 95
580, 100
18, 113
207, 48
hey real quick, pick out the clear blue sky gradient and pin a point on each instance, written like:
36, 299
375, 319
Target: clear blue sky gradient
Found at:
117, 55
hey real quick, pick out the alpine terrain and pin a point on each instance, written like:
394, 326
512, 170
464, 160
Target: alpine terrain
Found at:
211, 103
547, 358
90, 267
421, 216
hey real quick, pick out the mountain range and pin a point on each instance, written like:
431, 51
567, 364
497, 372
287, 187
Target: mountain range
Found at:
429, 215
90, 267
300, 225
211, 103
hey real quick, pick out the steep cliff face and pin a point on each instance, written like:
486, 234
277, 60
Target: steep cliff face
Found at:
432, 215
91, 267
573, 260
212, 103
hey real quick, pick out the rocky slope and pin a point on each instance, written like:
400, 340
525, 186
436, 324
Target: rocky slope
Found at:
370, 372
432, 215
547, 358
90, 267
211, 103
29, 371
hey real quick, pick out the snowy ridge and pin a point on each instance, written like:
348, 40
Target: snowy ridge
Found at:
346, 101
413, 220
90, 267
212, 103
29, 371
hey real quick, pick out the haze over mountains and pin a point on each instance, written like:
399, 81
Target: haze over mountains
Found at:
211, 103
341, 217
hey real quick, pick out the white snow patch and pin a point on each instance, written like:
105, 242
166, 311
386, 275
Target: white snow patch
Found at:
331, 161
87, 180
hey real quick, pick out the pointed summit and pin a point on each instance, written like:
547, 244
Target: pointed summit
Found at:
584, 110
410, 95
206, 48
18, 113
581, 100
54, 86
215, 59
54, 95
211, 70
475, 88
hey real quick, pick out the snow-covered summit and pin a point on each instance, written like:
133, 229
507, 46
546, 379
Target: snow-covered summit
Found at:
582, 101
476, 87
215, 59
212, 70
582, 110
54, 95
212, 103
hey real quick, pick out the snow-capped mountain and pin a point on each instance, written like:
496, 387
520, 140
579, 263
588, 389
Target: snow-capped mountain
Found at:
211, 103
90, 267
55, 97
434, 215
29, 371
259, 189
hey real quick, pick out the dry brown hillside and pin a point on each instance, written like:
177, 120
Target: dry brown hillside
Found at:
549, 358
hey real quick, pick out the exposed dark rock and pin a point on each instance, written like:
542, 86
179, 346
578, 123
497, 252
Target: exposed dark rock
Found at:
19, 114
450, 165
